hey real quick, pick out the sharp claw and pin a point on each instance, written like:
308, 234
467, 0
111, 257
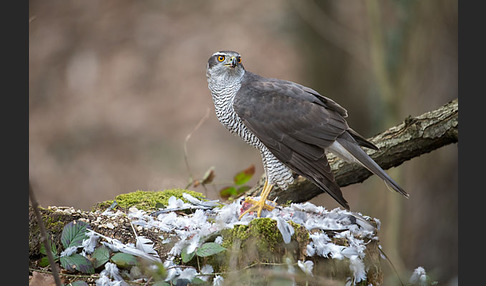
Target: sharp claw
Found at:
260, 204
256, 206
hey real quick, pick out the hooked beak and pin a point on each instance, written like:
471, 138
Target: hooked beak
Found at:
233, 63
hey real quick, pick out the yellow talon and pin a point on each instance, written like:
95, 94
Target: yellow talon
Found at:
260, 204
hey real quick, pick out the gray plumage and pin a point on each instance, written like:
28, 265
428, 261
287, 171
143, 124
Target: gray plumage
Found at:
291, 125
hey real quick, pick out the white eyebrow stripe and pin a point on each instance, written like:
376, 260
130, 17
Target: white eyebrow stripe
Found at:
218, 54
225, 53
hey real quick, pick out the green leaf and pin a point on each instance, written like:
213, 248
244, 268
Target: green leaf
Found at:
73, 233
77, 262
198, 281
227, 192
159, 205
244, 176
124, 260
186, 257
100, 256
209, 249
44, 261
43, 250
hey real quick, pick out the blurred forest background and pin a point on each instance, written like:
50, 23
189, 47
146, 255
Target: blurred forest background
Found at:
116, 86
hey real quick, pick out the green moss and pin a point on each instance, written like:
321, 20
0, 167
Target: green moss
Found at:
260, 242
147, 200
263, 229
266, 231
54, 224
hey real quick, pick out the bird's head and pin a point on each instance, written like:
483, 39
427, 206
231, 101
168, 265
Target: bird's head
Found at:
226, 64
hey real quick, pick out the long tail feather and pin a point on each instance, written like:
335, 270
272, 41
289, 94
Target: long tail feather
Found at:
351, 146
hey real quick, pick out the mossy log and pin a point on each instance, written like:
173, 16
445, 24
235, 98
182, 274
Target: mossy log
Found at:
256, 253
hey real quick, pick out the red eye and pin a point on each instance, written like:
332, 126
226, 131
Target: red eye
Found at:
221, 58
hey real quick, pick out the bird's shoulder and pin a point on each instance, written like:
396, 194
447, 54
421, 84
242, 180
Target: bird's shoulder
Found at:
258, 88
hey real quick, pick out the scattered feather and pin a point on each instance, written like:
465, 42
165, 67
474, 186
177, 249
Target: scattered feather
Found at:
146, 245
357, 267
164, 240
112, 271
103, 281
172, 270
193, 244
175, 203
189, 231
207, 269
188, 274
285, 229
218, 280
116, 245
69, 251
90, 242
306, 266
218, 240
197, 202
227, 216
419, 277
110, 276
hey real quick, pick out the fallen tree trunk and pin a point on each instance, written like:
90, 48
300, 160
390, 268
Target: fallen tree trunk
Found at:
411, 138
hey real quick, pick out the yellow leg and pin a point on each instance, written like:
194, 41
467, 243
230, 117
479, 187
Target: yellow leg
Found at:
261, 204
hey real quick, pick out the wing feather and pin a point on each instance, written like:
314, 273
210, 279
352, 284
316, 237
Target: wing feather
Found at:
295, 123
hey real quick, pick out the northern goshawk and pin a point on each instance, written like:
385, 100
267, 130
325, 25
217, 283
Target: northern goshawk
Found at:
291, 125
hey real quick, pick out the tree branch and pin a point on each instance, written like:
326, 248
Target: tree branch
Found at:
413, 137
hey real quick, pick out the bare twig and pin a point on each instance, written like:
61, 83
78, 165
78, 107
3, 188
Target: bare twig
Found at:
186, 160
148, 281
382, 252
79, 276
44, 240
